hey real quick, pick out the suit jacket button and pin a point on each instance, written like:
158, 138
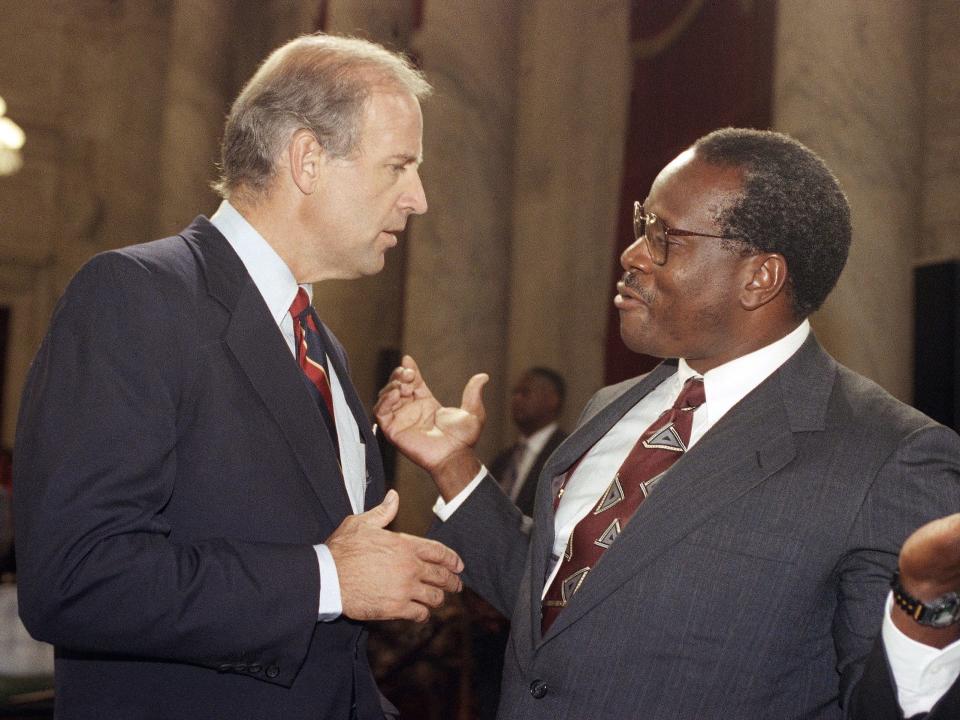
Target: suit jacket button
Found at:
272, 671
225, 667
538, 688
254, 668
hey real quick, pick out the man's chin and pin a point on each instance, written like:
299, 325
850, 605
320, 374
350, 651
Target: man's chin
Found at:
639, 343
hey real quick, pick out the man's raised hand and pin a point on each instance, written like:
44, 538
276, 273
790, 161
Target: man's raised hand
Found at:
437, 438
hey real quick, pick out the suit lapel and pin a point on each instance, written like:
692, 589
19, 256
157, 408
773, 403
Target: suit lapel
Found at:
750, 443
256, 343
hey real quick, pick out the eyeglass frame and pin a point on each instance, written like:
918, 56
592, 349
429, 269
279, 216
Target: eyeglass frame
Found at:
639, 214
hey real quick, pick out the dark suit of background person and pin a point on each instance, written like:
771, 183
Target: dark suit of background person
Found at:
751, 582
173, 471
535, 405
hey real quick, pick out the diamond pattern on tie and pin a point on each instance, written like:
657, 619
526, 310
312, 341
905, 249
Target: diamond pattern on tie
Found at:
655, 451
666, 439
569, 586
609, 535
646, 487
611, 497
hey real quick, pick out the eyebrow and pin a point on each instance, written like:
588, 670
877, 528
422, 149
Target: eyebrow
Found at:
407, 159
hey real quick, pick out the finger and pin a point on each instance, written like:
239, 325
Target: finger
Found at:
408, 363
418, 613
472, 400
386, 400
403, 379
412, 375
439, 577
384, 513
429, 596
392, 387
437, 553
401, 373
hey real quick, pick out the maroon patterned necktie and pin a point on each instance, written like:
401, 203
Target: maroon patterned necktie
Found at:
310, 358
658, 448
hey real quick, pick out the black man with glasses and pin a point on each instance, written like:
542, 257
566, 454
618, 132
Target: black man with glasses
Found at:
717, 539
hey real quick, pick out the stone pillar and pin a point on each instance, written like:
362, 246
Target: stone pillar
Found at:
940, 236
849, 84
573, 92
458, 259
193, 111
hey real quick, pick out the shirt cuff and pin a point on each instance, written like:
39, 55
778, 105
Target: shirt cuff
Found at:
444, 510
923, 674
331, 605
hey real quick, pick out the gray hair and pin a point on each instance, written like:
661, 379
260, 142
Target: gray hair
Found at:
318, 82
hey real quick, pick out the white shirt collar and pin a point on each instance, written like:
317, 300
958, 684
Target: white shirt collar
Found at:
537, 440
269, 272
728, 384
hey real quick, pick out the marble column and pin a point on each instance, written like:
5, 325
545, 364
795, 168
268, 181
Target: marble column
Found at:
458, 274
571, 122
940, 236
849, 84
195, 103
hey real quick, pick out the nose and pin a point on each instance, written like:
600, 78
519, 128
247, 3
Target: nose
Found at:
637, 256
414, 200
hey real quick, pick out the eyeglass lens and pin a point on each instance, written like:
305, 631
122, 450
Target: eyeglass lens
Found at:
654, 232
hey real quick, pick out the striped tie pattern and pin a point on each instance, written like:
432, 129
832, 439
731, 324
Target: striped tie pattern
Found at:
310, 355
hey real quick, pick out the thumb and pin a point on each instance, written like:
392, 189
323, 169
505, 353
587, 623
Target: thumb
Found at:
472, 400
384, 513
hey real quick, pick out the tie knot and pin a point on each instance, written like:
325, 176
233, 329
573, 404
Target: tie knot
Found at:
300, 303
692, 395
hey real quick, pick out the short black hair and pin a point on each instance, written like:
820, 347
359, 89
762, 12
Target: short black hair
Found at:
553, 377
791, 204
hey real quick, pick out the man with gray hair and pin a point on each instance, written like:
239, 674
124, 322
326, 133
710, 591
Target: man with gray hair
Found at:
200, 499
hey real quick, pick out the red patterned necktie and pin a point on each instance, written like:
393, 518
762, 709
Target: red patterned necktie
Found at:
658, 448
310, 354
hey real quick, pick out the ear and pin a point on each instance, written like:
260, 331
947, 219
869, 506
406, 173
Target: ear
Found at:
766, 278
304, 157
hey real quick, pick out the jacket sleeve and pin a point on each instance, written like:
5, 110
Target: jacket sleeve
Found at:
489, 533
96, 463
918, 483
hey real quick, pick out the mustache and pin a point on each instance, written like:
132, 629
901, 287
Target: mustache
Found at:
633, 283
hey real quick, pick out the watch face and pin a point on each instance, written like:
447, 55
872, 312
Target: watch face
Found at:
944, 610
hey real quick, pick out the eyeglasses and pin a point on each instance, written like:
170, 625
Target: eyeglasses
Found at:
655, 230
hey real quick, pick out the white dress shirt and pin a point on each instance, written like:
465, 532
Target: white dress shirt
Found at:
278, 287
922, 673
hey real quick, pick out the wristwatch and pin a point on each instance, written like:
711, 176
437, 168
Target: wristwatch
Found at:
940, 612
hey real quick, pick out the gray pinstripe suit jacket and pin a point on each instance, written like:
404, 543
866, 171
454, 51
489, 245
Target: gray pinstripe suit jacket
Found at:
750, 584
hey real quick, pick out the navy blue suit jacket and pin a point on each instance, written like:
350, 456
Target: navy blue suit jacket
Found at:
172, 475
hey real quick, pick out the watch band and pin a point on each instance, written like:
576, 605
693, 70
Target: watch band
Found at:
938, 613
